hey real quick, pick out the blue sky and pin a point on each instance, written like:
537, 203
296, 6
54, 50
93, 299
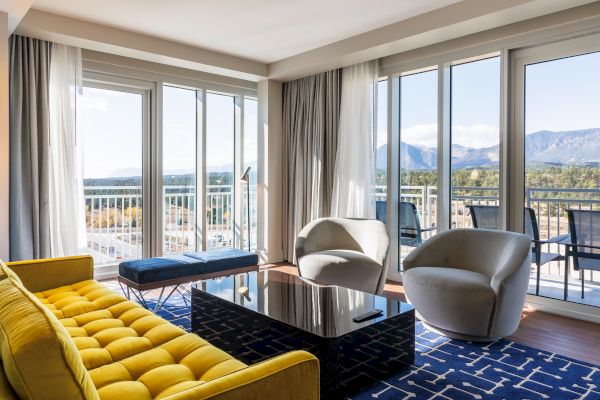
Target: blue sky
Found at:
563, 94
475, 105
560, 95
112, 131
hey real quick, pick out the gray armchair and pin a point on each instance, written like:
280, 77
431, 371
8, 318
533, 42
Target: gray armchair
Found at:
470, 284
344, 252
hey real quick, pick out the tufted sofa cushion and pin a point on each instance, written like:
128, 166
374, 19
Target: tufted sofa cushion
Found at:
39, 358
129, 352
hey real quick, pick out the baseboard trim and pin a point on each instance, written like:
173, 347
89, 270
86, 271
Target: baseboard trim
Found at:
563, 308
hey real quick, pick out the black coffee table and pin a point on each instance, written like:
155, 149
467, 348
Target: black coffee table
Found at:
255, 316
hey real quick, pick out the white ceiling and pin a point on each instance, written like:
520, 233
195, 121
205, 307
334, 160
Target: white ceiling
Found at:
260, 30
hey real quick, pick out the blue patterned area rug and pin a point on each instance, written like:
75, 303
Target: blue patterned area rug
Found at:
452, 369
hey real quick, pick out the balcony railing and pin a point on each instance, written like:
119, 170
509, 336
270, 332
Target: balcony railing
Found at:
114, 220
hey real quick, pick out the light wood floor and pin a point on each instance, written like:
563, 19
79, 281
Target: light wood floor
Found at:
569, 337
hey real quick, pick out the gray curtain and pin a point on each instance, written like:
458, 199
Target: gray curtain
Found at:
29, 152
311, 110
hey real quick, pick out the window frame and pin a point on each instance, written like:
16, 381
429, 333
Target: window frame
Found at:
146, 90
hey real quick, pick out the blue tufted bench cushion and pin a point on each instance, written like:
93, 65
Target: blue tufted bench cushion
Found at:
158, 269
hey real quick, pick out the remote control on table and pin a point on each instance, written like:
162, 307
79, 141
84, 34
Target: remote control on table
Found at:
367, 316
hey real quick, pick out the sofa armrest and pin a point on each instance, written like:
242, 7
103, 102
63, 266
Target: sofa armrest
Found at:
290, 376
50, 273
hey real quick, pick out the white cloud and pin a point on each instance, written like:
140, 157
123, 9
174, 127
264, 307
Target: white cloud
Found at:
476, 136
420, 135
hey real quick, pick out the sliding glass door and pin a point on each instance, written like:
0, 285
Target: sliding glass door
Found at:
418, 158
559, 125
446, 119
220, 169
114, 130
179, 169
475, 138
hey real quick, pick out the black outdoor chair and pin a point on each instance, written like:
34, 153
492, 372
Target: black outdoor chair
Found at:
411, 232
540, 258
485, 217
488, 217
584, 246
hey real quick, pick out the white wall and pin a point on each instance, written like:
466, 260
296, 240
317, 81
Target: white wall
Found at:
4, 140
270, 171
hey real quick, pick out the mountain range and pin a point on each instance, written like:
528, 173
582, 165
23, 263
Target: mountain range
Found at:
580, 147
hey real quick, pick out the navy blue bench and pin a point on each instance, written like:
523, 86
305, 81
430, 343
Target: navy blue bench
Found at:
179, 269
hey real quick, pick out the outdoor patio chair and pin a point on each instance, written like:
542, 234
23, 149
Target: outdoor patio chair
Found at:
584, 246
485, 217
488, 217
411, 232
381, 211
537, 256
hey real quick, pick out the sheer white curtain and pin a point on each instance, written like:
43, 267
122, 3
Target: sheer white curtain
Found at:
354, 169
67, 208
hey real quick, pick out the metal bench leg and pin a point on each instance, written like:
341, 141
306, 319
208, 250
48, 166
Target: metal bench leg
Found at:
125, 292
158, 303
183, 291
140, 298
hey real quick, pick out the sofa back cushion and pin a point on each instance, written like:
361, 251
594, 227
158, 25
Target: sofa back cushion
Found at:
39, 357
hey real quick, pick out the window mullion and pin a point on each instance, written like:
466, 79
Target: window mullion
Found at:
444, 146
238, 165
156, 170
201, 178
393, 175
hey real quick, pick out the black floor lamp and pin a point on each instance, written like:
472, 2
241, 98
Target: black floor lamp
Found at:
246, 178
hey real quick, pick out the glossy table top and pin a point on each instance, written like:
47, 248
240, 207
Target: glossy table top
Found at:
322, 310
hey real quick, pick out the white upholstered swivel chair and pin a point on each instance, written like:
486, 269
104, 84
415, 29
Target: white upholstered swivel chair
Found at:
345, 252
469, 284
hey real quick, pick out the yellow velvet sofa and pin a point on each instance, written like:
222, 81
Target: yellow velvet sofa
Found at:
65, 336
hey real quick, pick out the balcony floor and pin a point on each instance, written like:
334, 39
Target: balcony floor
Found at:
552, 286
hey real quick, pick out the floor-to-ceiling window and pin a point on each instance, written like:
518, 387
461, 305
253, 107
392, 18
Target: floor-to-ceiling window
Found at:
151, 191
475, 138
113, 133
448, 128
220, 134
179, 169
418, 158
516, 133
561, 139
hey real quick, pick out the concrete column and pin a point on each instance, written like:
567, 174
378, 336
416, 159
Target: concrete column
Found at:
4, 138
270, 172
